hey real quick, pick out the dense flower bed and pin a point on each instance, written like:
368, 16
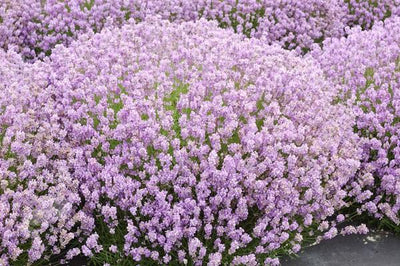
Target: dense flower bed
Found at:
188, 132
36, 197
366, 12
182, 142
367, 66
36, 26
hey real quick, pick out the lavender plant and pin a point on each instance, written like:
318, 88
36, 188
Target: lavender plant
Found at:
367, 65
170, 143
366, 12
36, 26
38, 197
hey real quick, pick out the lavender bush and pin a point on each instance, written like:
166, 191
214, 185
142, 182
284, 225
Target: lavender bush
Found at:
37, 193
367, 66
181, 143
366, 12
195, 132
36, 26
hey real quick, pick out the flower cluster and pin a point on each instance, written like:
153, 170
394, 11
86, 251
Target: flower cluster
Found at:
298, 24
367, 67
38, 196
366, 12
183, 143
187, 132
36, 26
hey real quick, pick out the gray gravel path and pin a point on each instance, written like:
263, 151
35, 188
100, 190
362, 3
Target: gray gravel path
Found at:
375, 249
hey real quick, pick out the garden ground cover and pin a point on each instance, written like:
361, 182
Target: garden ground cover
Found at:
196, 132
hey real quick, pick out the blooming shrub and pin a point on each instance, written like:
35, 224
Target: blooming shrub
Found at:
177, 141
165, 143
367, 65
298, 24
366, 12
37, 194
36, 26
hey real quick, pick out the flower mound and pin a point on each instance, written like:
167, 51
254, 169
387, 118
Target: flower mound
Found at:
366, 12
298, 24
36, 26
367, 66
37, 194
170, 143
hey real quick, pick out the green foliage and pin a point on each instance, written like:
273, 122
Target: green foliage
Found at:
88, 5
171, 102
